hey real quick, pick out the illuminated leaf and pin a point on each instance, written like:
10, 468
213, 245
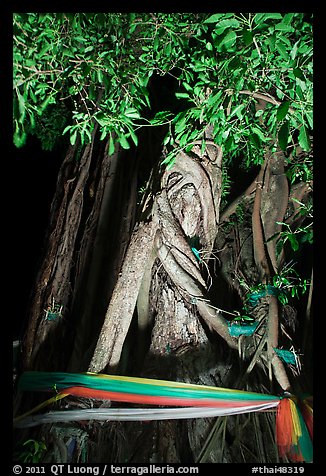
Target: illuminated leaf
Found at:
304, 139
282, 110
283, 136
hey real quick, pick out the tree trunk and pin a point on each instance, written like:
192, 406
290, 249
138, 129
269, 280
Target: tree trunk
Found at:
134, 292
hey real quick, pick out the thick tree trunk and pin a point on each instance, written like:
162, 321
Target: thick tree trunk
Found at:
53, 288
187, 338
139, 295
92, 215
173, 314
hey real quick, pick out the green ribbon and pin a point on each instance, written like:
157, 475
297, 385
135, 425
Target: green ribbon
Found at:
236, 330
268, 290
45, 380
286, 355
196, 253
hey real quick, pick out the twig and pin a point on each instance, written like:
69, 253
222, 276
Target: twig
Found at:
308, 312
264, 97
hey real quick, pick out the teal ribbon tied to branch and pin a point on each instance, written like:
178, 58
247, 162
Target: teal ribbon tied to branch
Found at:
195, 245
236, 330
286, 355
196, 253
267, 290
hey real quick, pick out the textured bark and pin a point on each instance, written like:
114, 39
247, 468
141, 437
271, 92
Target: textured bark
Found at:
53, 282
275, 199
160, 303
194, 213
123, 301
180, 315
91, 254
257, 228
270, 205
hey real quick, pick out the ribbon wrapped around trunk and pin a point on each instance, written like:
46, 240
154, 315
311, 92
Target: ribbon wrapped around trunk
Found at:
293, 424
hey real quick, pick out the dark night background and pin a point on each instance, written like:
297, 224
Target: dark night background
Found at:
32, 187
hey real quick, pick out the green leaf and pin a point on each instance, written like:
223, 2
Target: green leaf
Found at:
180, 121
132, 113
283, 136
104, 133
229, 143
237, 111
227, 23
99, 75
247, 36
21, 104
282, 50
261, 17
86, 67
288, 18
19, 139
111, 145
167, 49
260, 133
73, 137
156, 43
45, 103
284, 27
309, 117
124, 143
228, 41
101, 118
294, 50
88, 134
82, 136
134, 137
255, 140
300, 89
299, 74
234, 63
282, 110
294, 242
166, 139
187, 86
214, 18
66, 129
47, 46
182, 95
304, 139
214, 98
271, 40
32, 119
161, 117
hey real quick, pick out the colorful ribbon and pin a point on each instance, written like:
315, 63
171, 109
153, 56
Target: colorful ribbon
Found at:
293, 434
136, 414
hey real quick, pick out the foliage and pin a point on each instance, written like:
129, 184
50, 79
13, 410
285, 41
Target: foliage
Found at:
33, 451
247, 54
102, 64
290, 283
302, 234
99, 66
301, 169
73, 71
284, 284
49, 126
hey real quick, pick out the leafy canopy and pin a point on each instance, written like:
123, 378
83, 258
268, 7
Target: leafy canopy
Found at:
95, 68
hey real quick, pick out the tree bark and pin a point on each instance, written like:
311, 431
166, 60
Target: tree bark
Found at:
54, 280
152, 304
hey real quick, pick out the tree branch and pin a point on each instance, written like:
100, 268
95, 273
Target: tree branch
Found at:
263, 97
